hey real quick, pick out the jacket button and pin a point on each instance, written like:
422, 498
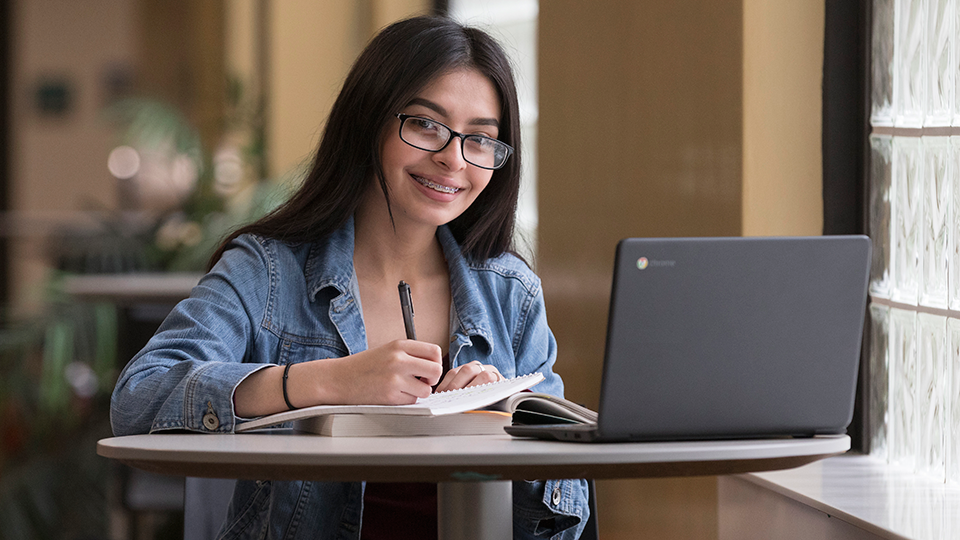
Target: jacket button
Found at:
555, 498
210, 420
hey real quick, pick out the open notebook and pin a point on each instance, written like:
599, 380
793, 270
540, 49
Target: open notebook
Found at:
441, 403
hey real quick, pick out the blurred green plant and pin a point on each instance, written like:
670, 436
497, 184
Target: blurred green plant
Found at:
57, 370
58, 367
179, 201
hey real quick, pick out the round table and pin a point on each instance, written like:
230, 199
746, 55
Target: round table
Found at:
473, 473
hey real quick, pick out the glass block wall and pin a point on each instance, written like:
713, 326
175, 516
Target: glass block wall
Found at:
913, 200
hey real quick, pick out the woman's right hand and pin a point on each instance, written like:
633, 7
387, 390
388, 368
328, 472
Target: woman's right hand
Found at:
396, 373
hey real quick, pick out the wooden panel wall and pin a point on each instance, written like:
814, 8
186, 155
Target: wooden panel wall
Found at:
181, 60
782, 165
640, 135
650, 115
313, 44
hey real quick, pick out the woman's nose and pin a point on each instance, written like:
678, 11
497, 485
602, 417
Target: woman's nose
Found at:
452, 155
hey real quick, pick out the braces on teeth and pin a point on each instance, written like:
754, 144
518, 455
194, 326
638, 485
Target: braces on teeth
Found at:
438, 187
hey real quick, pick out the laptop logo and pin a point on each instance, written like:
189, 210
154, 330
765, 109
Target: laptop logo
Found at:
643, 263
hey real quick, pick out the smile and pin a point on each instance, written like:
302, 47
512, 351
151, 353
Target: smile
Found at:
434, 186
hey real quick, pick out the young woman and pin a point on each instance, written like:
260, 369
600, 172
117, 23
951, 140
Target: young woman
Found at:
415, 179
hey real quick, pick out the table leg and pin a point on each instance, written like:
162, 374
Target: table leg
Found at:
475, 510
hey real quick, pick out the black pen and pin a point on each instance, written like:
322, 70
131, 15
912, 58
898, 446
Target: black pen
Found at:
406, 305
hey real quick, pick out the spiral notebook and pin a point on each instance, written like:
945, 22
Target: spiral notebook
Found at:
441, 403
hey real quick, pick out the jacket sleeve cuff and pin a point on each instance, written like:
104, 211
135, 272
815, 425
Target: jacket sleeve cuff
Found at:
550, 508
206, 407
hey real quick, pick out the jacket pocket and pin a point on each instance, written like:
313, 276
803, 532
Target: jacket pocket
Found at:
294, 350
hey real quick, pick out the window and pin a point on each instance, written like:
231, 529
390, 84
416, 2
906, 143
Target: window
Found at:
913, 201
514, 24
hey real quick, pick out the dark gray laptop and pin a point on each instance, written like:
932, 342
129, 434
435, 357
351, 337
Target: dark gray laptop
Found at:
729, 338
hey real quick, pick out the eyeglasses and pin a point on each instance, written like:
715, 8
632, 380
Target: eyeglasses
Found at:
432, 136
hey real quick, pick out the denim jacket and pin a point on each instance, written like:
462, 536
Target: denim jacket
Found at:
267, 302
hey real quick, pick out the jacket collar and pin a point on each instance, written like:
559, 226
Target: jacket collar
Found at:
330, 264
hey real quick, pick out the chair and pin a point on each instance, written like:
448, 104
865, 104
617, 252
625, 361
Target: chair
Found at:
205, 503
147, 500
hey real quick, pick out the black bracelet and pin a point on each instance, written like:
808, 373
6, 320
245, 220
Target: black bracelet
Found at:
286, 398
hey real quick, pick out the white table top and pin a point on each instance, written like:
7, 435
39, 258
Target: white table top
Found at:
287, 456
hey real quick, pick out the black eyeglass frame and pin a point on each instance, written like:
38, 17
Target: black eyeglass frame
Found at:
454, 134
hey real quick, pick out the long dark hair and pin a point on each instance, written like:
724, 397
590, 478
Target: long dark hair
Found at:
399, 62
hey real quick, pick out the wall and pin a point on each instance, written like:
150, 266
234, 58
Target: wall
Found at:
684, 118
174, 50
782, 64
311, 48
312, 44
181, 60
58, 161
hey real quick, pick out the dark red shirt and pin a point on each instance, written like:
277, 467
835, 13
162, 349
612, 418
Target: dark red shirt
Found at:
399, 511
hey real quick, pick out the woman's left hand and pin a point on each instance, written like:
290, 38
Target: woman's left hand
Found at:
471, 374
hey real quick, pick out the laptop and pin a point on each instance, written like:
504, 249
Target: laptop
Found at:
716, 338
